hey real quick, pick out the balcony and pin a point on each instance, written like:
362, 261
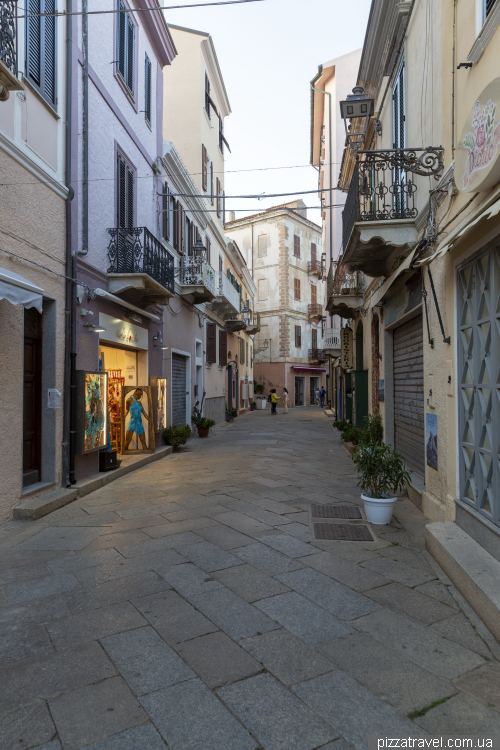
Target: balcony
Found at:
197, 280
331, 341
344, 291
315, 268
227, 304
380, 211
317, 355
236, 324
252, 320
8, 49
139, 263
315, 311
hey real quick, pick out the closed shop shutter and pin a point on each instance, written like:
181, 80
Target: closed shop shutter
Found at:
178, 390
409, 430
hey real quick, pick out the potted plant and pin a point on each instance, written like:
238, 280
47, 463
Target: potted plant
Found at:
202, 424
381, 473
176, 436
231, 413
258, 387
253, 405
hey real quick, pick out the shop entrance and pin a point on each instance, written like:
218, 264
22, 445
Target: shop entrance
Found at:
32, 422
313, 387
122, 366
300, 389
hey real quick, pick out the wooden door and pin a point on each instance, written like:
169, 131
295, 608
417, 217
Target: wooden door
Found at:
32, 422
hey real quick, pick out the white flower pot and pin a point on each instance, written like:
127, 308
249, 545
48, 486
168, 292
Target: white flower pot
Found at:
378, 510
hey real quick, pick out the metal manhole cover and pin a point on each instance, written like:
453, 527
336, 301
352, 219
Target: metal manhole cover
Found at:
343, 532
336, 511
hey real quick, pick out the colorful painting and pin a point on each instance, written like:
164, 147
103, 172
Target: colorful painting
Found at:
95, 411
161, 415
431, 440
137, 420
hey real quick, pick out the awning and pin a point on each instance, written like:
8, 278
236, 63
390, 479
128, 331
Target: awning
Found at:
18, 290
308, 369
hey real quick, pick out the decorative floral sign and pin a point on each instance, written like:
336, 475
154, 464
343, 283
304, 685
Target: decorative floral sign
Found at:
478, 154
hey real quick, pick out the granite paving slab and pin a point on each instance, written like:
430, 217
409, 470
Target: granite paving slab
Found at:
145, 661
287, 544
143, 737
117, 590
60, 539
72, 631
275, 716
218, 660
329, 594
345, 571
438, 591
224, 537
298, 530
356, 712
249, 582
408, 557
55, 745
419, 644
26, 727
303, 618
210, 557
241, 522
178, 527
458, 628
123, 568
106, 541
94, 712
483, 684
399, 572
386, 673
268, 560
173, 618
82, 561
23, 573
188, 579
287, 657
461, 715
22, 641
232, 614
41, 587
407, 601
176, 541
190, 717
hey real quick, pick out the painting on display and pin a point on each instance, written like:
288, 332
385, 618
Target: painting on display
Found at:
137, 420
431, 440
161, 411
92, 413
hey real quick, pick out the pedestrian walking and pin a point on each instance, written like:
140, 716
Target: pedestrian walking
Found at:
274, 401
284, 398
316, 397
322, 395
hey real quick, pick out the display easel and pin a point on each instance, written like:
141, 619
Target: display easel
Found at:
115, 386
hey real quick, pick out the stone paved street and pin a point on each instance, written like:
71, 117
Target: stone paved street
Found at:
186, 606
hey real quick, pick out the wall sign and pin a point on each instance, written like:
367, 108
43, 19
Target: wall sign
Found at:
122, 332
477, 166
346, 348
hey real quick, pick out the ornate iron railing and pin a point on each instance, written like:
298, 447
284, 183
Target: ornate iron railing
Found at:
317, 355
314, 309
136, 250
8, 34
340, 281
197, 273
315, 266
331, 338
383, 185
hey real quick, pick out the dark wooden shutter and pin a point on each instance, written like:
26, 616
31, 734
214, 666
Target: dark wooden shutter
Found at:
222, 348
204, 167
314, 294
313, 252
165, 212
218, 197
41, 47
209, 250
147, 90
242, 352
314, 338
122, 193
122, 39
34, 42
130, 54
296, 289
296, 245
182, 229
298, 336
399, 109
212, 183
409, 429
49, 52
211, 343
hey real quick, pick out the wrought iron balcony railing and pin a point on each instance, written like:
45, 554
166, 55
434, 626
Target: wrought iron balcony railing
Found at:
317, 355
315, 266
136, 250
331, 338
315, 310
197, 273
8, 34
340, 281
383, 185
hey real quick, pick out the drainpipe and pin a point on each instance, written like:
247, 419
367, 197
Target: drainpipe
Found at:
69, 434
453, 81
85, 119
330, 156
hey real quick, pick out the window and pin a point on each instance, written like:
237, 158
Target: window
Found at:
314, 294
147, 90
314, 338
204, 168
211, 181
221, 264
296, 289
398, 98
296, 245
211, 352
247, 360
125, 197
41, 48
488, 6
208, 245
222, 348
314, 257
209, 103
126, 43
298, 337
242, 352
172, 222
263, 289
222, 140
262, 245
219, 199
181, 229
165, 216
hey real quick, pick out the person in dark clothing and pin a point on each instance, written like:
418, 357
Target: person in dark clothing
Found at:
274, 401
322, 395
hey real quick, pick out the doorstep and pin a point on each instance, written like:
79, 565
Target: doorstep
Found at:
330, 414
470, 567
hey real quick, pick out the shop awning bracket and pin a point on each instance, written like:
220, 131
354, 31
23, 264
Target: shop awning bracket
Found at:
446, 339
424, 295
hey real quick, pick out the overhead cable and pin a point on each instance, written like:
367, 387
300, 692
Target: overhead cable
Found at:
64, 14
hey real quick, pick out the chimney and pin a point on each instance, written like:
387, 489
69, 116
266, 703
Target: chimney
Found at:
232, 216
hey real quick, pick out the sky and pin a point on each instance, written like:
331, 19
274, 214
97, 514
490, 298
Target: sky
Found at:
268, 52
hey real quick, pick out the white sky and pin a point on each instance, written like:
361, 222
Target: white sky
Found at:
268, 53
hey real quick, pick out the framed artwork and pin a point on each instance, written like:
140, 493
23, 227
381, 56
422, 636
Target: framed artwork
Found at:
138, 429
92, 411
431, 440
159, 393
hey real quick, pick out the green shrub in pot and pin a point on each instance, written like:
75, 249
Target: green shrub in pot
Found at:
177, 436
381, 474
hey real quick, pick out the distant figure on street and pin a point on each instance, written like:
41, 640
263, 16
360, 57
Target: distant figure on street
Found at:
274, 401
316, 397
322, 395
284, 398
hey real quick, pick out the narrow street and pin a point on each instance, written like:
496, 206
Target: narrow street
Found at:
187, 606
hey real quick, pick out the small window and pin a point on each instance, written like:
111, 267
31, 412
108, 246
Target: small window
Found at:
263, 289
262, 245
211, 181
296, 245
296, 289
41, 48
147, 90
208, 100
298, 337
126, 44
126, 191
314, 294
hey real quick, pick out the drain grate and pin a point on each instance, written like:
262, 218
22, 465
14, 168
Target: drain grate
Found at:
336, 511
343, 532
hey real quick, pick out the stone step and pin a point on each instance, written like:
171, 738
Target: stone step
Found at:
39, 506
475, 572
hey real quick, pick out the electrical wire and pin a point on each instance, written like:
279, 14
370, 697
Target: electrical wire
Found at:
64, 14
262, 196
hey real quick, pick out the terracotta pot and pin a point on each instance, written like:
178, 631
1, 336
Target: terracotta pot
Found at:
203, 431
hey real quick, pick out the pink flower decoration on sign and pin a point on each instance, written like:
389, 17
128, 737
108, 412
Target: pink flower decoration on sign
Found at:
480, 136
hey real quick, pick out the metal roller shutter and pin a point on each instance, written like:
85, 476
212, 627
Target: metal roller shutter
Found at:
178, 390
409, 427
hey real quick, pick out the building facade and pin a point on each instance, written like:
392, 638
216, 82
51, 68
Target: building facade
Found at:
283, 248
35, 191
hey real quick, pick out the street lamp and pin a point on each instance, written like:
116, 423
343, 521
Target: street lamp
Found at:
198, 250
357, 106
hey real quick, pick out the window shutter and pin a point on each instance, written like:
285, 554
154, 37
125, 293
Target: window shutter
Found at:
122, 193
41, 47
211, 344
147, 90
296, 245
399, 109
223, 207
34, 31
130, 54
49, 52
242, 352
212, 183
165, 212
122, 39
488, 7
218, 197
247, 360
296, 289
298, 337
209, 249
313, 252
221, 264
130, 198
314, 294
222, 348
204, 167
182, 230
314, 336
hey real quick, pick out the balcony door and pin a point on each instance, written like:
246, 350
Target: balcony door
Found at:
399, 141
125, 205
